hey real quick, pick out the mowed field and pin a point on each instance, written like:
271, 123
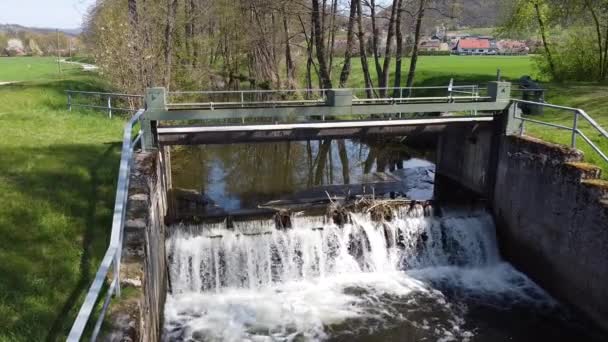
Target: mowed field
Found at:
438, 70
58, 171
14, 69
57, 175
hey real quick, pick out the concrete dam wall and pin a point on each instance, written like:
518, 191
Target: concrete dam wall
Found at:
551, 212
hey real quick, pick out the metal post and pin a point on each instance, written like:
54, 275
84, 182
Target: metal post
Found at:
242, 99
574, 129
69, 101
156, 100
109, 106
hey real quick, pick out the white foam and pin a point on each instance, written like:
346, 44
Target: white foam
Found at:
357, 279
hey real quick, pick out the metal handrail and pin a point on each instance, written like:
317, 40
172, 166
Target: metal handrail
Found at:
575, 124
113, 253
108, 107
323, 92
102, 93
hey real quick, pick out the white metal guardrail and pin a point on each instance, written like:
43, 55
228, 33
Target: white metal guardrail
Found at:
576, 131
112, 256
103, 101
291, 97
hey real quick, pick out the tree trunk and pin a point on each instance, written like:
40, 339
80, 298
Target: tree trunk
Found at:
375, 38
332, 35
362, 53
319, 44
169, 28
598, 31
605, 75
383, 82
412, 72
289, 65
136, 60
350, 37
543, 34
399, 51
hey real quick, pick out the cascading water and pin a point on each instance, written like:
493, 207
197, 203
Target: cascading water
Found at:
408, 279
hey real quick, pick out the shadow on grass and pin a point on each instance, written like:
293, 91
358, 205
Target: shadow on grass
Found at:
58, 215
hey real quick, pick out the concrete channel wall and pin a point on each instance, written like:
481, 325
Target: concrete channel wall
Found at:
464, 162
551, 212
144, 249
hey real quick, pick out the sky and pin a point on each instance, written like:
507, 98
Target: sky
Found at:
65, 14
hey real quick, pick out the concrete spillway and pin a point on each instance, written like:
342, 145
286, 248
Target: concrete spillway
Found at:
255, 282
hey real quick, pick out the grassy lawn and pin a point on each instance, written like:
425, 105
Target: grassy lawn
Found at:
57, 179
437, 70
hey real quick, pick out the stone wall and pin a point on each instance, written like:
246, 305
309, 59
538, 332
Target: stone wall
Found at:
551, 212
144, 242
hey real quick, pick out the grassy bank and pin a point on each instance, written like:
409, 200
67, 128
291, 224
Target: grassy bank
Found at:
57, 179
593, 98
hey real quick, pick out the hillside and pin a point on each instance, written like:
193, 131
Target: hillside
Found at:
14, 28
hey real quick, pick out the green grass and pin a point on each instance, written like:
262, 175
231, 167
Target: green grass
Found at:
437, 70
57, 183
28, 68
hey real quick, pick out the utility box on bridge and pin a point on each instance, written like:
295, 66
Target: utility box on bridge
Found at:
340, 97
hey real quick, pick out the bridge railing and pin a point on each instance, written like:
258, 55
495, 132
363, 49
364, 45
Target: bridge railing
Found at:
299, 97
112, 256
108, 102
577, 115
245, 98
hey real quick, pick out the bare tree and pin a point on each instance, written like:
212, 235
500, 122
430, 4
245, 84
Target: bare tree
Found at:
362, 53
350, 38
399, 48
320, 46
414, 60
169, 28
383, 82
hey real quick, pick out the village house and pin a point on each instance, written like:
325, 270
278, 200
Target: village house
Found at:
475, 46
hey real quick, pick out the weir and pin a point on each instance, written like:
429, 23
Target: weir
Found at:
409, 251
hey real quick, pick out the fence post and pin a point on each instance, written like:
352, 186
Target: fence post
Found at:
109, 106
69, 101
574, 129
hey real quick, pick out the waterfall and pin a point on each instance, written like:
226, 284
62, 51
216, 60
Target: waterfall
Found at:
256, 282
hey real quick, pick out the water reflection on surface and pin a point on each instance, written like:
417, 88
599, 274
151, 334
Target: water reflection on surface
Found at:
242, 175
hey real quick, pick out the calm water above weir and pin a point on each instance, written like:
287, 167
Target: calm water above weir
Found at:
245, 175
417, 277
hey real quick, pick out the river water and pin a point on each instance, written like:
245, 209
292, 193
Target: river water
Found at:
416, 278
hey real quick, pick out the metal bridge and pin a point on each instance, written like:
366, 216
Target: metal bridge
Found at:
242, 116
335, 113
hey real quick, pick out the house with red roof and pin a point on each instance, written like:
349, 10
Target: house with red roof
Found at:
475, 46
